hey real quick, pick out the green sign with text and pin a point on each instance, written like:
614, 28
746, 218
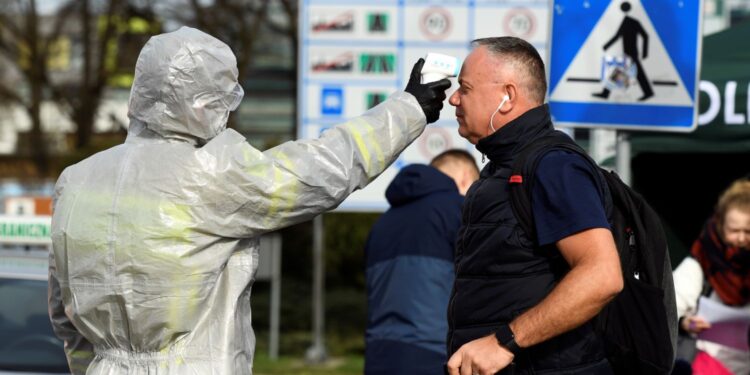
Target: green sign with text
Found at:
25, 230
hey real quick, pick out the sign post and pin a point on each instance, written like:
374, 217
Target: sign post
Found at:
625, 65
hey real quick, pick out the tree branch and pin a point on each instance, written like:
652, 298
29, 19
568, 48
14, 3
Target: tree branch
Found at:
248, 37
109, 33
60, 18
200, 16
10, 95
8, 24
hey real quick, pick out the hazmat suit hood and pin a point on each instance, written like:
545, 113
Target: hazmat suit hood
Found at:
185, 85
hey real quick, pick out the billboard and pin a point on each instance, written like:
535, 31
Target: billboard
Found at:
353, 54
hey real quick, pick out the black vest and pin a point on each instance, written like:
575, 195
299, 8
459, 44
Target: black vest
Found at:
500, 273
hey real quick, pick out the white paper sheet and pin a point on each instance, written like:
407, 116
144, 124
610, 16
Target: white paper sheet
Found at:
729, 325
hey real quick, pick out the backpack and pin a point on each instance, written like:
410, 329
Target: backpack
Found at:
639, 326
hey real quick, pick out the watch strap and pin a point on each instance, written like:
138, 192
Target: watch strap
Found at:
507, 339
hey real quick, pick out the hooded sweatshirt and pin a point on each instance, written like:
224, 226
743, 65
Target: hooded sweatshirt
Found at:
410, 273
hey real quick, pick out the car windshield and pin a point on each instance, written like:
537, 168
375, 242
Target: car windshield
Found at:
28, 343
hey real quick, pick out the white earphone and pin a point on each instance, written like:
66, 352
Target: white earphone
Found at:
505, 99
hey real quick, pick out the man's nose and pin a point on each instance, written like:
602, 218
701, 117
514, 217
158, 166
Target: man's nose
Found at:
453, 100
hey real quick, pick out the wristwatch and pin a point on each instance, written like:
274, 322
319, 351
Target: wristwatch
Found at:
507, 339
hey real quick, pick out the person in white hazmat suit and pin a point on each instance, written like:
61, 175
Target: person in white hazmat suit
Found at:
155, 241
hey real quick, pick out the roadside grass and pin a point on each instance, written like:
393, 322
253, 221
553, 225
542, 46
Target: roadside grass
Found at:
345, 355
285, 365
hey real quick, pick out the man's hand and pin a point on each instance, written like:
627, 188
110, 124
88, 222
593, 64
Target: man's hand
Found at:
483, 356
429, 95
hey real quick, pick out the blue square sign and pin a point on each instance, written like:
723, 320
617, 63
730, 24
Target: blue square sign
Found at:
332, 101
629, 64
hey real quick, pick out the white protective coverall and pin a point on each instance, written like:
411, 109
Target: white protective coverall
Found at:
155, 241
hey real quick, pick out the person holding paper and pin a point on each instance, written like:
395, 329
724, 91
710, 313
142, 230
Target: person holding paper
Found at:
718, 267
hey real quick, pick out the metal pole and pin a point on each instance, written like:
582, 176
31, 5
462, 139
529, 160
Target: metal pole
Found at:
622, 158
597, 144
317, 352
273, 347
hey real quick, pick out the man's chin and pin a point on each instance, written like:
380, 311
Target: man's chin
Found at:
465, 135
462, 131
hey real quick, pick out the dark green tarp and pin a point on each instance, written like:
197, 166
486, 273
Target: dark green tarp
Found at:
681, 175
726, 59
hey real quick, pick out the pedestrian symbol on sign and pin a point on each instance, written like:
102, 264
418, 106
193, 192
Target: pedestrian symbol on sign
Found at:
629, 31
630, 64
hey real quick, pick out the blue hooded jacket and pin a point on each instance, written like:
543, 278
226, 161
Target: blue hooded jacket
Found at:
409, 256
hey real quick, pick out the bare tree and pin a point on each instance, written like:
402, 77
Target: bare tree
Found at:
27, 42
26, 48
82, 97
236, 22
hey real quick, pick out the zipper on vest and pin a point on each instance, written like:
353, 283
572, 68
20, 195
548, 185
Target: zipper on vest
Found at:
451, 315
469, 208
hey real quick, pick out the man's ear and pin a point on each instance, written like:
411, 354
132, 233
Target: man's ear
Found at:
512, 91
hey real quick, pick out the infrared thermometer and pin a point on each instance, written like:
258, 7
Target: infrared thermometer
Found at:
438, 66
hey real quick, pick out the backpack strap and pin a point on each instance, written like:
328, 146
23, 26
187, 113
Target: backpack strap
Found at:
523, 170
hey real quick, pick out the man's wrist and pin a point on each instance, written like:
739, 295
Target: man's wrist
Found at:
507, 339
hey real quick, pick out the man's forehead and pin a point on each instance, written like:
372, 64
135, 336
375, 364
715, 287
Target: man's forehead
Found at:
480, 66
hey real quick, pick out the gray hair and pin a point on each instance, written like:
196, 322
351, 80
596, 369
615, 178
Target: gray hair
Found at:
523, 57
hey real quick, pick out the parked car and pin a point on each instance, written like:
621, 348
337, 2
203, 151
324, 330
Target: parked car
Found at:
27, 343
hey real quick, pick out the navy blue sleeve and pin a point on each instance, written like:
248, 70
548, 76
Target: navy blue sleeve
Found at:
565, 199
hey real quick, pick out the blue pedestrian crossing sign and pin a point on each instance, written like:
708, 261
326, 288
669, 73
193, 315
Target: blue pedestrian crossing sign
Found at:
625, 64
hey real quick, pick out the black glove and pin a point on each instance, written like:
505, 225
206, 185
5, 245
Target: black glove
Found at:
429, 95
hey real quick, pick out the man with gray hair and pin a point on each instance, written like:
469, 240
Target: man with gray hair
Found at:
525, 300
